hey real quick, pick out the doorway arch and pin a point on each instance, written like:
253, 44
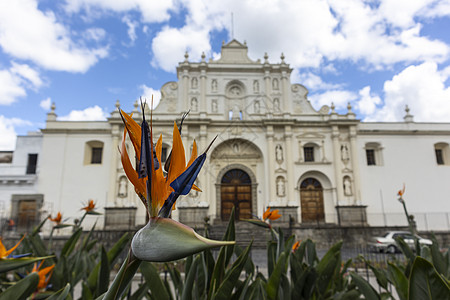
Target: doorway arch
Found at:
311, 201
236, 190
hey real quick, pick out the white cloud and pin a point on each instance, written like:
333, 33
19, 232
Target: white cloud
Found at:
46, 103
16, 80
340, 98
94, 113
152, 11
8, 132
313, 81
31, 34
421, 87
148, 93
11, 88
367, 103
131, 28
95, 34
170, 44
306, 31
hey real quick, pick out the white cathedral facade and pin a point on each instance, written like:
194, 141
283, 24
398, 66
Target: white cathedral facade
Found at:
273, 149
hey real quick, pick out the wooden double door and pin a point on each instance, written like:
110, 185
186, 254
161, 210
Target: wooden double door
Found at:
311, 198
236, 190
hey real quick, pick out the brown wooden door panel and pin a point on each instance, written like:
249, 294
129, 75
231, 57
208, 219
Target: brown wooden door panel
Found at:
236, 191
311, 201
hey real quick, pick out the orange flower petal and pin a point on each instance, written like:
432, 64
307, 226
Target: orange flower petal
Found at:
139, 183
6, 253
178, 159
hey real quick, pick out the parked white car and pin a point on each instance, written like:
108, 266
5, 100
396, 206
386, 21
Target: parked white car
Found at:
388, 244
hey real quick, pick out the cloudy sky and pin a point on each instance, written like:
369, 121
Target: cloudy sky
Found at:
85, 54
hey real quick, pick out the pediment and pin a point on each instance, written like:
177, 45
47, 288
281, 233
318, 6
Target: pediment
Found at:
234, 53
311, 136
236, 149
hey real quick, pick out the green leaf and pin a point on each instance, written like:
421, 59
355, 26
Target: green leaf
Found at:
61, 294
113, 253
86, 292
15, 263
154, 282
37, 229
328, 267
175, 241
257, 222
310, 252
103, 278
22, 289
399, 280
274, 279
380, 275
439, 261
123, 277
405, 249
139, 293
224, 257
271, 256
426, 283
37, 245
190, 278
231, 277
364, 287
69, 246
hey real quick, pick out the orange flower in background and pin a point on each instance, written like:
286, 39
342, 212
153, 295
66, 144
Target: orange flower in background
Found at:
90, 206
5, 253
57, 219
43, 278
401, 192
295, 246
271, 214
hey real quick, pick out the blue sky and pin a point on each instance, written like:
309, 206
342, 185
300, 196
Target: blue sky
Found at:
85, 54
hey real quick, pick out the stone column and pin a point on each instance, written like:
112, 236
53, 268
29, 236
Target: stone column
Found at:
355, 165
267, 91
112, 193
184, 96
290, 180
202, 106
271, 159
202, 176
337, 166
287, 104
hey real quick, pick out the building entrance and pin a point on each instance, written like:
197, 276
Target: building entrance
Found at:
236, 190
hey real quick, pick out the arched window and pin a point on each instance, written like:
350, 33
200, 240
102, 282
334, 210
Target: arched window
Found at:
311, 152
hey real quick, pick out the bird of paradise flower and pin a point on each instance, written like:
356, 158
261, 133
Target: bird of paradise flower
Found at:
162, 239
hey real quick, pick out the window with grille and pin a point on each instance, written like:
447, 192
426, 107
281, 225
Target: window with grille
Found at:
309, 153
439, 157
96, 155
370, 154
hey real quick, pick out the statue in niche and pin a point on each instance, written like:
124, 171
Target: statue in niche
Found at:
235, 148
194, 83
257, 107
214, 107
280, 187
214, 85
256, 86
279, 153
275, 84
276, 104
194, 104
347, 187
123, 187
344, 153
